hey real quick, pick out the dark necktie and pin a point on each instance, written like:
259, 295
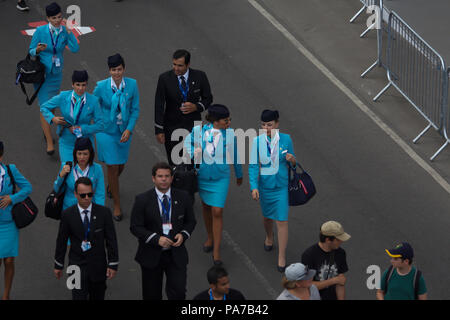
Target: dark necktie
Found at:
183, 83
86, 223
165, 209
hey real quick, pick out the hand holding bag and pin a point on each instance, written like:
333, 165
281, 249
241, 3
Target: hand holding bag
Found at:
24, 212
301, 186
55, 200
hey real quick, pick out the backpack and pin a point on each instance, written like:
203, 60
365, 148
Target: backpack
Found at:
416, 278
30, 71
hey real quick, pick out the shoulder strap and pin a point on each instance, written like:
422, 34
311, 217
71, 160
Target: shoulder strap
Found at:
12, 178
388, 277
33, 97
417, 276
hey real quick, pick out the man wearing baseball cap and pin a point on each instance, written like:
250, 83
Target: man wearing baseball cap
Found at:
329, 260
402, 281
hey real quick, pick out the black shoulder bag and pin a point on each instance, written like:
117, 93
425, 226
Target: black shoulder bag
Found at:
30, 71
301, 187
55, 200
23, 213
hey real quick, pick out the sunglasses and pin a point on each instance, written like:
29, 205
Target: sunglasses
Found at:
83, 195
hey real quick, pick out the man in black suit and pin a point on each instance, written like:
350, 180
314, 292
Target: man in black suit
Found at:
181, 95
163, 219
89, 227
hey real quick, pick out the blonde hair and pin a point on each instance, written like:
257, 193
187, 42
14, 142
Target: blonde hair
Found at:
287, 284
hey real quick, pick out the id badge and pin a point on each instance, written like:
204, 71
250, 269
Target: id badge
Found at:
85, 246
166, 228
77, 132
56, 61
119, 118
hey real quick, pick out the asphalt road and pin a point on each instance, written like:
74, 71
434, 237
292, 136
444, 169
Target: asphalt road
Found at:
364, 179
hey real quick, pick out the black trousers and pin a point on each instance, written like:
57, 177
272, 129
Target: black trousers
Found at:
89, 290
152, 279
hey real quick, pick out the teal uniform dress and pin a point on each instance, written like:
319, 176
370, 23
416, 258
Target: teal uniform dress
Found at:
271, 179
52, 57
76, 114
214, 171
120, 112
9, 234
93, 172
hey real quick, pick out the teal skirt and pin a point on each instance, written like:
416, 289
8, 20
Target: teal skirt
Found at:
50, 88
109, 148
275, 203
9, 240
214, 192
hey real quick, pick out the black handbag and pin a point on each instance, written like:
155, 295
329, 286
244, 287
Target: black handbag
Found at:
301, 186
23, 213
30, 70
55, 200
185, 178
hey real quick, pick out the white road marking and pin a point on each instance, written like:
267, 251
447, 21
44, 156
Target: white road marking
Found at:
364, 108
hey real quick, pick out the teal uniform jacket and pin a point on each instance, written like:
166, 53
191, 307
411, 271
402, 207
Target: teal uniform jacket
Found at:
23, 190
209, 168
128, 103
98, 185
42, 35
261, 175
214, 172
90, 111
53, 76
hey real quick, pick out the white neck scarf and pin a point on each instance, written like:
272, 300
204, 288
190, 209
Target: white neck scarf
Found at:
78, 173
114, 86
2, 175
212, 140
274, 146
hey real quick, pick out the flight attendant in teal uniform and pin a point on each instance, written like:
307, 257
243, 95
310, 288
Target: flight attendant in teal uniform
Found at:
214, 141
83, 166
269, 177
119, 100
48, 43
78, 109
9, 234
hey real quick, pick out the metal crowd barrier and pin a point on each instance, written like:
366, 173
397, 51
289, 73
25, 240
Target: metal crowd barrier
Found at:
366, 5
446, 129
384, 17
419, 73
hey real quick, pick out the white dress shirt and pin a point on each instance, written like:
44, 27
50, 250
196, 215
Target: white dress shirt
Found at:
89, 209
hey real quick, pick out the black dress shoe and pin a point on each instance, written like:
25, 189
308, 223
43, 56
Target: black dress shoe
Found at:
217, 263
281, 269
267, 248
51, 152
207, 249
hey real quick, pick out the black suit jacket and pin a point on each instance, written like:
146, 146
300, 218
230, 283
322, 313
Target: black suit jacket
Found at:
102, 232
146, 223
168, 100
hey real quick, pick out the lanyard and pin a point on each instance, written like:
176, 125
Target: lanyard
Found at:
72, 105
82, 173
54, 43
184, 92
212, 298
211, 139
166, 211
